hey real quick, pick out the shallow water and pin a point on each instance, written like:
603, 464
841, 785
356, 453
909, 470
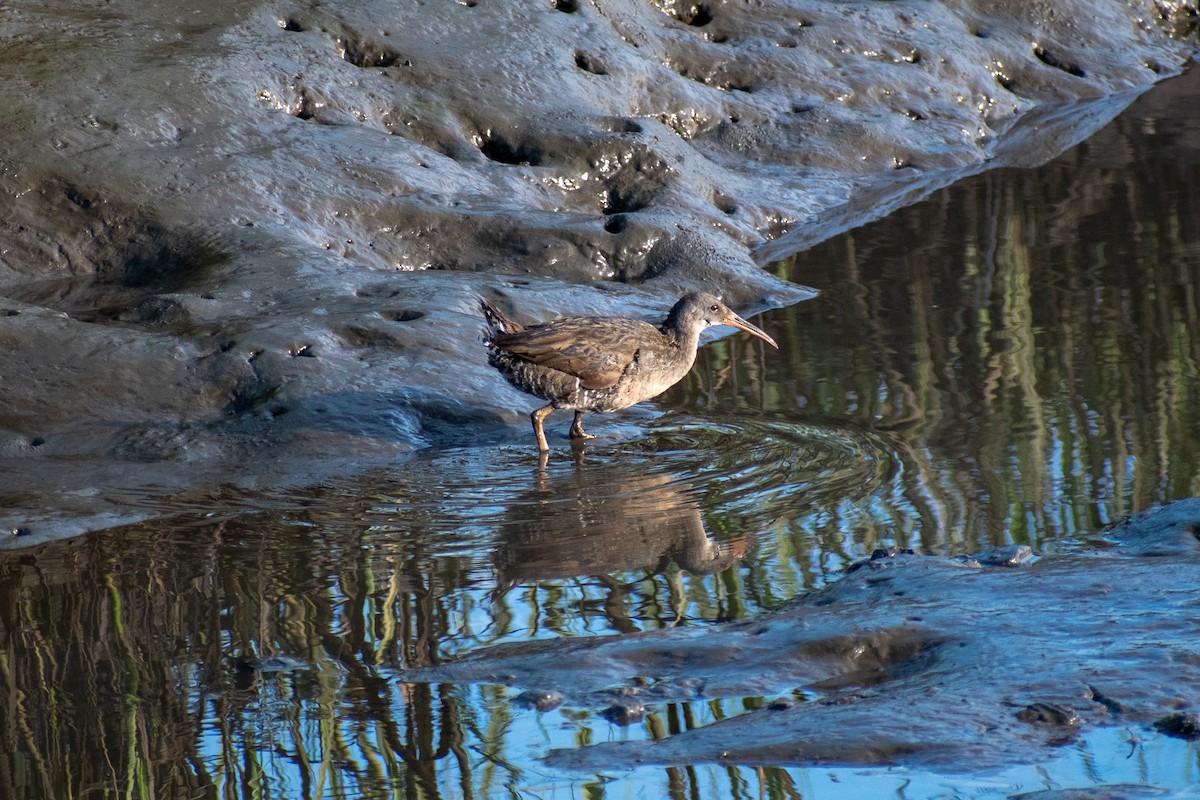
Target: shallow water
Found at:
1013, 360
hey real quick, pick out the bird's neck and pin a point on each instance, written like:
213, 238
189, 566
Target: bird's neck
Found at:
683, 336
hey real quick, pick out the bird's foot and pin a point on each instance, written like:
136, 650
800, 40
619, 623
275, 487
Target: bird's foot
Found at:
577, 431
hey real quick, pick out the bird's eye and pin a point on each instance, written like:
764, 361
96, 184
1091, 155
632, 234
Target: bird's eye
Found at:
714, 307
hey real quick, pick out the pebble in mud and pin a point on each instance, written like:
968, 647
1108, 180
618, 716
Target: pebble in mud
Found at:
1181, 725
625, 711
1012, 555
538, 700
1049, 715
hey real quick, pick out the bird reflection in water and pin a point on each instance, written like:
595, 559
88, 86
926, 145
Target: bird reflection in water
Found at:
601, 519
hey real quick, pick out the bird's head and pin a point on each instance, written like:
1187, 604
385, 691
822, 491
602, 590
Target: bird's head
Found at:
700, 310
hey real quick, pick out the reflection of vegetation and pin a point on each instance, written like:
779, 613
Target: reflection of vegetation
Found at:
1015, 358
1027, 340
221, 661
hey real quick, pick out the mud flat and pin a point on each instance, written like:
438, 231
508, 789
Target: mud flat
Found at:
242, 243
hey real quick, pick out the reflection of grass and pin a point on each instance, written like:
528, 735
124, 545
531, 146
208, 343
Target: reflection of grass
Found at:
1035, 358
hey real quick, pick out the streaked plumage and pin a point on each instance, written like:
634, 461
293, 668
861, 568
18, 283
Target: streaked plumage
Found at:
602, 364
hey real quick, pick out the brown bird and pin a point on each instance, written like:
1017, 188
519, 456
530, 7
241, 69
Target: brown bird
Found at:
602, 363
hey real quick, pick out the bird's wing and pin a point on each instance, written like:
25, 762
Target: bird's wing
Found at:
597, 350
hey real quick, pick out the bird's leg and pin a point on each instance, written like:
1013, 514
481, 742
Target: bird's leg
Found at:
537, 417
577, 431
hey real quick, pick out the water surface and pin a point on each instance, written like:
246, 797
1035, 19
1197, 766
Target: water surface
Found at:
1013, 360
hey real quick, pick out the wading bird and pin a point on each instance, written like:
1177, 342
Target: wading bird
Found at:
602, 364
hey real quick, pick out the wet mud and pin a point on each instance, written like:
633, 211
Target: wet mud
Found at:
243, 243
908, 660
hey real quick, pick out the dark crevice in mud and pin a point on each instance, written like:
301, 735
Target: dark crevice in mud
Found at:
293, 24
362, 52
696, 16
619, 201
1051, 59
621, 125
356, 336
405, 315
724, 203
589, 63
306, 105
565, 6
248, 385
497, 148
616, 223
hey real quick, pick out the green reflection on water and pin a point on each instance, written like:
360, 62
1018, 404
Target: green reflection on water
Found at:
1015, 359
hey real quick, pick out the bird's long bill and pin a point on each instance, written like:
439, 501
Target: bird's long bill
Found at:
737, 322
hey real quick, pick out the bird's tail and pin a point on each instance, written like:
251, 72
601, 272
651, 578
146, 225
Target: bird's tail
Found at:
496, 319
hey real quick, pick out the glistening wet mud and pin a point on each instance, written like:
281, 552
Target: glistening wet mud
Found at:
1011, 363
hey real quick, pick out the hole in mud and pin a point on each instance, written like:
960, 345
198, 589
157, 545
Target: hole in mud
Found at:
1004, 81
620, 125
497, 148
616, 224
363, 336
697, 16
1052, 60
278, 411
78, 198
368, 55
981, 33
404, 315
302, 351
724, 203
378, 290
565, 6
618, 202
306, 107
589, 64
292, 24
913, 114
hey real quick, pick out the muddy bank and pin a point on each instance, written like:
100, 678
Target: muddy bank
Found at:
956, 665
235, 237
